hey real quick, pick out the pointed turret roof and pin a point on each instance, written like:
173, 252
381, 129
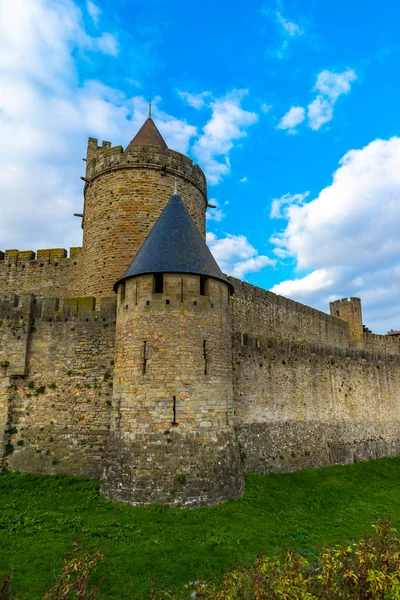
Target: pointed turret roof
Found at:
148, 134
174, 245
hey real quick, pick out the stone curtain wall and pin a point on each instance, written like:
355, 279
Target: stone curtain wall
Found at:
172, 438
259, 313
55, 384
125, 193
300, 405
382, 343
47, 272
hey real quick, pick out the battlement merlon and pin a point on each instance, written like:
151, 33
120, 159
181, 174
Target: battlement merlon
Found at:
45, 255
27, 306
104, 158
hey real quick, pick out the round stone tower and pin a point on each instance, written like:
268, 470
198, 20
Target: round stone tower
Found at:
125, 192
172, 439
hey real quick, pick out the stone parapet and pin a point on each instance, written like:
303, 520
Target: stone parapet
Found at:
46, 272
256, 311
101, 159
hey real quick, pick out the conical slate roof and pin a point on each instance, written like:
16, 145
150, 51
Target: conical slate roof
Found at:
148, 134
174, 245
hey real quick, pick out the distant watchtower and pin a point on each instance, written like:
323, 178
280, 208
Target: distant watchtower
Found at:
172, 438
125, 192
350, 310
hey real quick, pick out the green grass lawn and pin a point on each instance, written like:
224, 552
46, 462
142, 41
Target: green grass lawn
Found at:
42, 515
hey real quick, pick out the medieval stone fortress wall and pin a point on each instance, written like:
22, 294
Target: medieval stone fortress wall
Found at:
172, 380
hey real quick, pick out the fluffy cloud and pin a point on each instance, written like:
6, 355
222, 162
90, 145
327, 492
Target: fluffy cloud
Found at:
236, 256
286, 28
94, 11
280, 205
215, 214
292, 29
46, 116
329, 86
294, 116
228, 123
196, 101
348, 236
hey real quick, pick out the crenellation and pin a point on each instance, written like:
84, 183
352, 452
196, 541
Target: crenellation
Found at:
107, 158
47, 272
260, 312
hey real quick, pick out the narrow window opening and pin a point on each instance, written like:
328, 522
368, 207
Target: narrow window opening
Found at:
205, 357
195, 303
144, 363
158, 283
174, 421
136, 293
245, 339
122, 291
203, 285
167, 302
182, 289
337, 313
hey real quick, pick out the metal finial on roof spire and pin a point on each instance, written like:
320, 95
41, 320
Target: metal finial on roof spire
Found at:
176, 186
150, 106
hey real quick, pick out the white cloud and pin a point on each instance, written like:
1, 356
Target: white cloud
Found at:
244, 180
196, 101
48, 110
314, 283
236, 256
227, 124
292, 29
320, 111
215, 214
294, 116
348, 236
94, 11
279, 205
330, 86
265, 108
286, 28
46, 116
106, 43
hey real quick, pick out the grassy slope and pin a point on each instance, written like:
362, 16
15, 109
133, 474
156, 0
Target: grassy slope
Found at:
41, 516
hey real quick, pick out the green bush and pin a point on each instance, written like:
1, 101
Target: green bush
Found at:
365, 570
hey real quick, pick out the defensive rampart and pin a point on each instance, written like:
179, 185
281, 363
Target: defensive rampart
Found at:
56, 364
301, 405
262, 314
382, 343
48, 272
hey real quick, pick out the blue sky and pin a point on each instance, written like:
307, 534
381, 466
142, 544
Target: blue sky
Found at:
291, 108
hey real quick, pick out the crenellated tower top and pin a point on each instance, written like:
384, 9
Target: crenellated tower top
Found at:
125, 193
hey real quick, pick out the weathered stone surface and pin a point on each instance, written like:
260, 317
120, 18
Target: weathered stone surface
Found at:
55, 384
126, 193
205, 386
299, 405
173, 439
